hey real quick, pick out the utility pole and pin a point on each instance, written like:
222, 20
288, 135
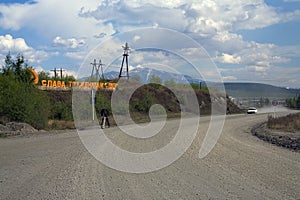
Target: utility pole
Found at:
125, 58
61, 73
55, 72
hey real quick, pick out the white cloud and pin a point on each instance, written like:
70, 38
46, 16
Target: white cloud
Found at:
71, 43
226, 58
136, 38
35, 56
13, 15
275, 75
71, 73
39, 69
212, 22
257, 68
8, 44
288, 51
75, 55
225, 36
137, 58
80, 25
229, 78
237, 51
50, 18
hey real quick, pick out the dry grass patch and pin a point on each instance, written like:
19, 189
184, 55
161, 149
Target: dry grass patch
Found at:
290, 123
60, 125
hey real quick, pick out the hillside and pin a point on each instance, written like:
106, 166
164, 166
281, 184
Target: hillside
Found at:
245, 90
140, 102
166, 97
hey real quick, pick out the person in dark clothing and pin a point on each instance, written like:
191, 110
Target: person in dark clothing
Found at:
104, 115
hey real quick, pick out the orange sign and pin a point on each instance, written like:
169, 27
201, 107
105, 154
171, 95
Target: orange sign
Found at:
35, 76
82, 85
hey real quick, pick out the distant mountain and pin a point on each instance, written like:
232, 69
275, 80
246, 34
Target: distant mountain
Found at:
238, 90
258, 90
145, 74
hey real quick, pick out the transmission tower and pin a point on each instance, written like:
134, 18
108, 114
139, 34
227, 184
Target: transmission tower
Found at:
97, 67
125, 58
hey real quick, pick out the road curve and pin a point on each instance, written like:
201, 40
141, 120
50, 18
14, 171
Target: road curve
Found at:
57, 166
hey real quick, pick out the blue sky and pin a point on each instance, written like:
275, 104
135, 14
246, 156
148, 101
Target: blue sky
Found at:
249, 41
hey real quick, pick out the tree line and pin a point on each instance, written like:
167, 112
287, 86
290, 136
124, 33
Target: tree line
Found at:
22, 101
294, 102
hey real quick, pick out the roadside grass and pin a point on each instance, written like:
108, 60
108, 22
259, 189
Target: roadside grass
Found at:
60, 125
290, 123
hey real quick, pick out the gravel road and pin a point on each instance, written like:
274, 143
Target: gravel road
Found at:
57, 166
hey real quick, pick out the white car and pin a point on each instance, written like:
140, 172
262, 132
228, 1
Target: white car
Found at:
252, 110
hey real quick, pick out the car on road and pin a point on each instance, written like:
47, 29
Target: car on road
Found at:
252, 110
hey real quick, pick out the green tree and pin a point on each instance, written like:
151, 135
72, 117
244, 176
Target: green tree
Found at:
43, 76
144, 104
170, 83
293, 102
23, 103
298, 102
155, 79
103, 100
155, 82
19, 99
17, 69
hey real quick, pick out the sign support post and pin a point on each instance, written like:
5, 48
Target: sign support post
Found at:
274, 103
93, 104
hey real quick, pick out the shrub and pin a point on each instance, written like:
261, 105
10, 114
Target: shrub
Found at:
22, 102
19, 99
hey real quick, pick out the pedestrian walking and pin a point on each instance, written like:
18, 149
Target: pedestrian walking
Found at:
104, 118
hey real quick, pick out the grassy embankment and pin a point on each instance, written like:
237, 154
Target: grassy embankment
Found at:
281, 131
289, 123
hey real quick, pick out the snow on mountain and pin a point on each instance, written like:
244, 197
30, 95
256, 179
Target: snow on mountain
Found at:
145, 74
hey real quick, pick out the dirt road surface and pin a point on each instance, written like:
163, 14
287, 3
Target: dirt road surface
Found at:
241, 166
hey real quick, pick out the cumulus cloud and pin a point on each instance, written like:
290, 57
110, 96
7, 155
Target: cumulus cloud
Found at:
13, 15
69, 72
70, 43
213, 23
19, 46
8, 43
50, 18
204, 17
78, 26
226, 58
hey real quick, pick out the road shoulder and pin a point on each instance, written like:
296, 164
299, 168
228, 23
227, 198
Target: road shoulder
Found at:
284, 139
